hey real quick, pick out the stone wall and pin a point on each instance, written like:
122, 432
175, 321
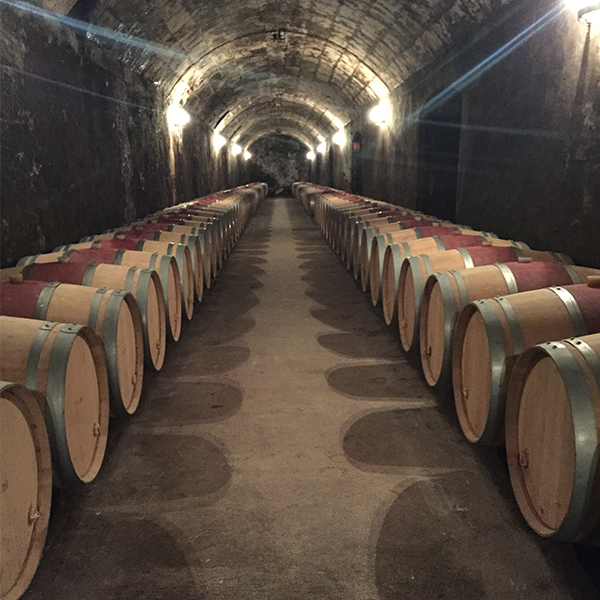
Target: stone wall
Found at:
84, 141
529, 162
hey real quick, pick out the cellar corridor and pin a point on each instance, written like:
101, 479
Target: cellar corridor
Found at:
288, 451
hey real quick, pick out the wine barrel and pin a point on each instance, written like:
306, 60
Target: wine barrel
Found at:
113, 315
144, 285
365, 235
26, 488
490, 333
396, 253
552, 445
211, 227
182, 272
373, 269
446, 293
355, 238
64, 362
186, 253
165, 266
160, 232
414, 273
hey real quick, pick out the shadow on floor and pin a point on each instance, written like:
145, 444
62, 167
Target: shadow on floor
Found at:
205, 361
453, 537
115, 557
177, 403
404, 437
160, 467
366, 344
393, 381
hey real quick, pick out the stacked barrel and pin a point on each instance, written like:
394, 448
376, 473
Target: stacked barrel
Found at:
78, 326
513, 333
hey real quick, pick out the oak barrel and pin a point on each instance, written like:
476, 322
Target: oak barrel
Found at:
437, 243
446, 293
552, 443
166, 267
65, 362
415, 271
144, 285
26, 494
168, 247
491, 333
113, 315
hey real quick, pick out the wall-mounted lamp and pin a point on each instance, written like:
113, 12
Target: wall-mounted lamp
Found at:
236, 150
339, 138
310, 155
218, 141
590, 13
247, 155
321, 148
177, 117
381, 114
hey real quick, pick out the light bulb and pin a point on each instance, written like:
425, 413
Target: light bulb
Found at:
218, 141
177, 116
235, 150
310, 155
339, 138
381, 114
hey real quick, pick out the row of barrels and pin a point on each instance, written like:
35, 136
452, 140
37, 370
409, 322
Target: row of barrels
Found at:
512, 333
77, 328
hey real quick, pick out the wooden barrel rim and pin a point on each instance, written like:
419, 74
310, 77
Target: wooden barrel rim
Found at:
118, 404
377, 257
38, 516
184, 263
450, 308
584, 422
112, 318
155, 356
55, 394
395, 260
496, 353
412, 265
168, 267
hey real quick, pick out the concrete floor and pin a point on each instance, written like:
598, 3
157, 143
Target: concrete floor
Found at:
288, 451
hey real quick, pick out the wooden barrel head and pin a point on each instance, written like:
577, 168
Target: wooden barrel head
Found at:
546, 446
373, 268
26, 488
130, 354
156, 318
472, 373
433, 328
407, 305
85, 407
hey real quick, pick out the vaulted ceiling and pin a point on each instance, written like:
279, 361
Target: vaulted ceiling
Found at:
302, 67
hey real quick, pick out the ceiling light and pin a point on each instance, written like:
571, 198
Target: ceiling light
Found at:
236, 149
587, 10
339, 138
177, 117
311, 155
218, 141
381, 114
247, 155
321, 148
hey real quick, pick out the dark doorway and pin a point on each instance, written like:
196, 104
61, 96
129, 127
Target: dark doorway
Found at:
439, 143
357, 167
330, 167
